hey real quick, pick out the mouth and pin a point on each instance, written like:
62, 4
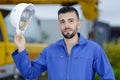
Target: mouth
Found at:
67, 30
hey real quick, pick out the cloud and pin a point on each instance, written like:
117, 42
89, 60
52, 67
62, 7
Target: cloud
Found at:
110, 12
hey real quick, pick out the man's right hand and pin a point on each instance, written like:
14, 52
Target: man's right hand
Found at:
20, 42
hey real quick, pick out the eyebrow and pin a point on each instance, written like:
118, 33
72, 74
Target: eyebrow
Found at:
68, 19
71, 19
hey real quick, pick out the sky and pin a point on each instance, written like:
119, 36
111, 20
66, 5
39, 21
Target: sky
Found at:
109, 11
50, 11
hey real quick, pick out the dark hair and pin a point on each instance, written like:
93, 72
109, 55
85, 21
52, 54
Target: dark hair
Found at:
66, 9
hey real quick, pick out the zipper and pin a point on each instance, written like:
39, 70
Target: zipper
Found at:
68, 67
68, 62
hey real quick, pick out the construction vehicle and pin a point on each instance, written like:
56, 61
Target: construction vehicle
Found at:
7, 46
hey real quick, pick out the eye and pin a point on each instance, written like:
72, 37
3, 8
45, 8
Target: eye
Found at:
71, 20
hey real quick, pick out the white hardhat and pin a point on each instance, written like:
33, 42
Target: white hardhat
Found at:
21, 14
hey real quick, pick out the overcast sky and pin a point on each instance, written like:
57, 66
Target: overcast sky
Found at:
50, 11
109, 11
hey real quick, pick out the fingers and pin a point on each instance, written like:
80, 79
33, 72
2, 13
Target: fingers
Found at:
18, 37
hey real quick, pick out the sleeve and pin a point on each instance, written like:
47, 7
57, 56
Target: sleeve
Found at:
29, 69
102, 65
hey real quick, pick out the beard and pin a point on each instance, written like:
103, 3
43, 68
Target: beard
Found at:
68, 35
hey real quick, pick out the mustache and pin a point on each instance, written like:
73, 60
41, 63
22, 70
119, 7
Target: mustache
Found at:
67, 28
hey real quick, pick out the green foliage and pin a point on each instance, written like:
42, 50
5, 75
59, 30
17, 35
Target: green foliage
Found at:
117, 74
112, 50
97, 77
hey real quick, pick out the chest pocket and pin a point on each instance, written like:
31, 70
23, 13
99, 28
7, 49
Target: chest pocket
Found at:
81, 61
57, 60
58, 65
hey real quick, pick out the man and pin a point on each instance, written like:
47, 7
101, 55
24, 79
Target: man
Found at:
71, 58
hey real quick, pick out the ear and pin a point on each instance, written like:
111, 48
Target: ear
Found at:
79, 24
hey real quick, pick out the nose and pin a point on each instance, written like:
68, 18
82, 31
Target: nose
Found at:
66, 24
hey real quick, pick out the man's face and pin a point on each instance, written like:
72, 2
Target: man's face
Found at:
69, 24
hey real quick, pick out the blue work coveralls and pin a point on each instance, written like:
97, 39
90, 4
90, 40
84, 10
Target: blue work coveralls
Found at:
86, 58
